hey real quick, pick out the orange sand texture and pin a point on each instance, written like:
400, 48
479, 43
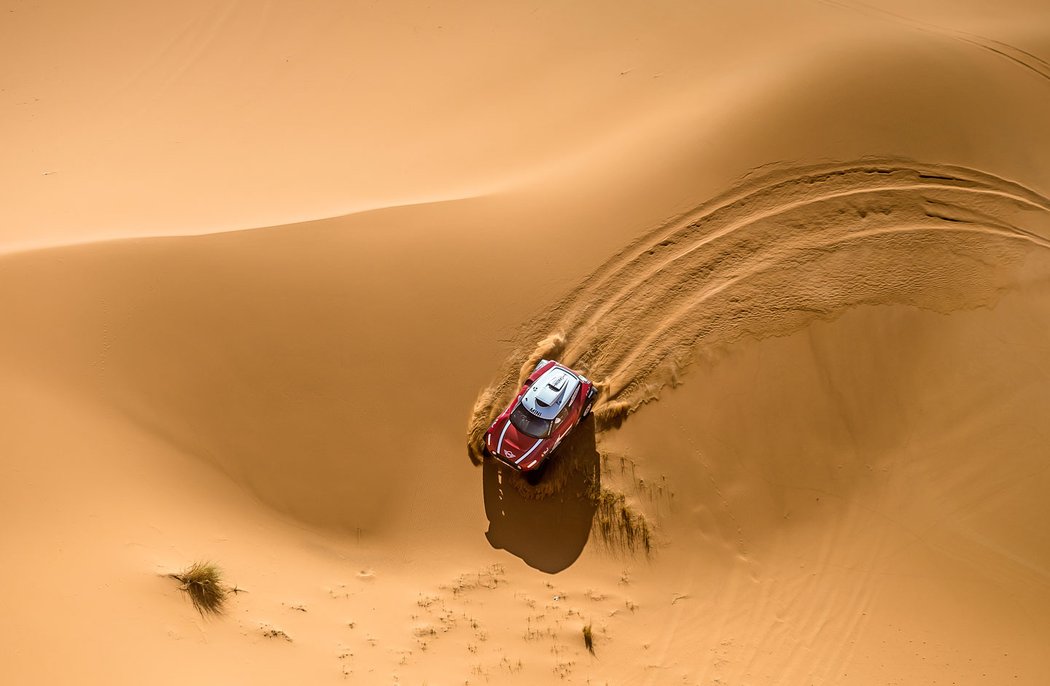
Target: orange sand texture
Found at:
268, 269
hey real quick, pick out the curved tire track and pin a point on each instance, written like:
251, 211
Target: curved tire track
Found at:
769, 256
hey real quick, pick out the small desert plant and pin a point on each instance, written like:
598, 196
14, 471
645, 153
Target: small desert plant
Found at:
588, 638
617, 524
203, 582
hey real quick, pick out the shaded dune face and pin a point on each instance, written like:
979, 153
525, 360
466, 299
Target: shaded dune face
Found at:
296, 359
764, 259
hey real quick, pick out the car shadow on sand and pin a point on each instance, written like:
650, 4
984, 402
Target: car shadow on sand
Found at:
546, 525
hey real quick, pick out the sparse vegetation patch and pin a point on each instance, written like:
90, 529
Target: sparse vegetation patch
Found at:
273, 632
618, 525
588, 638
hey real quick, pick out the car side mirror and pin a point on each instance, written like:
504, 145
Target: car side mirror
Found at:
528, 382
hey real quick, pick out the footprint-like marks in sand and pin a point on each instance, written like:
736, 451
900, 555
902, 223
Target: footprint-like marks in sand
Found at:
784, 247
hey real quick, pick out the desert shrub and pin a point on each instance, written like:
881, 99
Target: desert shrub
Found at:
588, 638
202, 581
618, 525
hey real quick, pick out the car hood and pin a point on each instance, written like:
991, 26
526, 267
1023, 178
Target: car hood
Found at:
514, 446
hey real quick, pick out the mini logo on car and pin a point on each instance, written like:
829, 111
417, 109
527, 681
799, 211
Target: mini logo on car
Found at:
508, 453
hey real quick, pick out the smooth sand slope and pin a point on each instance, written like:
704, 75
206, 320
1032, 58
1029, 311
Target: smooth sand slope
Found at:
805, 248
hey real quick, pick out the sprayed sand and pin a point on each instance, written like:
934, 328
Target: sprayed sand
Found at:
803, 247
770, 256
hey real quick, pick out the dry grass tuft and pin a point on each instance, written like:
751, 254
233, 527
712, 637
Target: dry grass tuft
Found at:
588, 638
618, 525
203, 582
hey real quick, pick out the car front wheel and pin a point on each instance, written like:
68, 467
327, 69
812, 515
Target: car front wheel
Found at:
590, 403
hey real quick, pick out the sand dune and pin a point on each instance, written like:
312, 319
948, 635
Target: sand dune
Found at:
260, 264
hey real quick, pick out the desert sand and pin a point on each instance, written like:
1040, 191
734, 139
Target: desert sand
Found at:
268, 271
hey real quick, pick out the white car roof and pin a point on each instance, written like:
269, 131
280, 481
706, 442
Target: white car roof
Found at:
551, 392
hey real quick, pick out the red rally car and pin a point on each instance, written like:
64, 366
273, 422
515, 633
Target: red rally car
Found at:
552, 402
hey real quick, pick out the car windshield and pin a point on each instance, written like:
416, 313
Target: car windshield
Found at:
529, 424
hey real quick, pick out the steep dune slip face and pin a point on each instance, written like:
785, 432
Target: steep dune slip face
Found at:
780, 250
299, 360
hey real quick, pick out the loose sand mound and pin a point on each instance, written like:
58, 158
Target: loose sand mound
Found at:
766, 258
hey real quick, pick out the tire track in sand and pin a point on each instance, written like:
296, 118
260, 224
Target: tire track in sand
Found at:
782, 248
1017, 56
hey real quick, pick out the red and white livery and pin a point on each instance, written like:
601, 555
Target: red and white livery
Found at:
553, 401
